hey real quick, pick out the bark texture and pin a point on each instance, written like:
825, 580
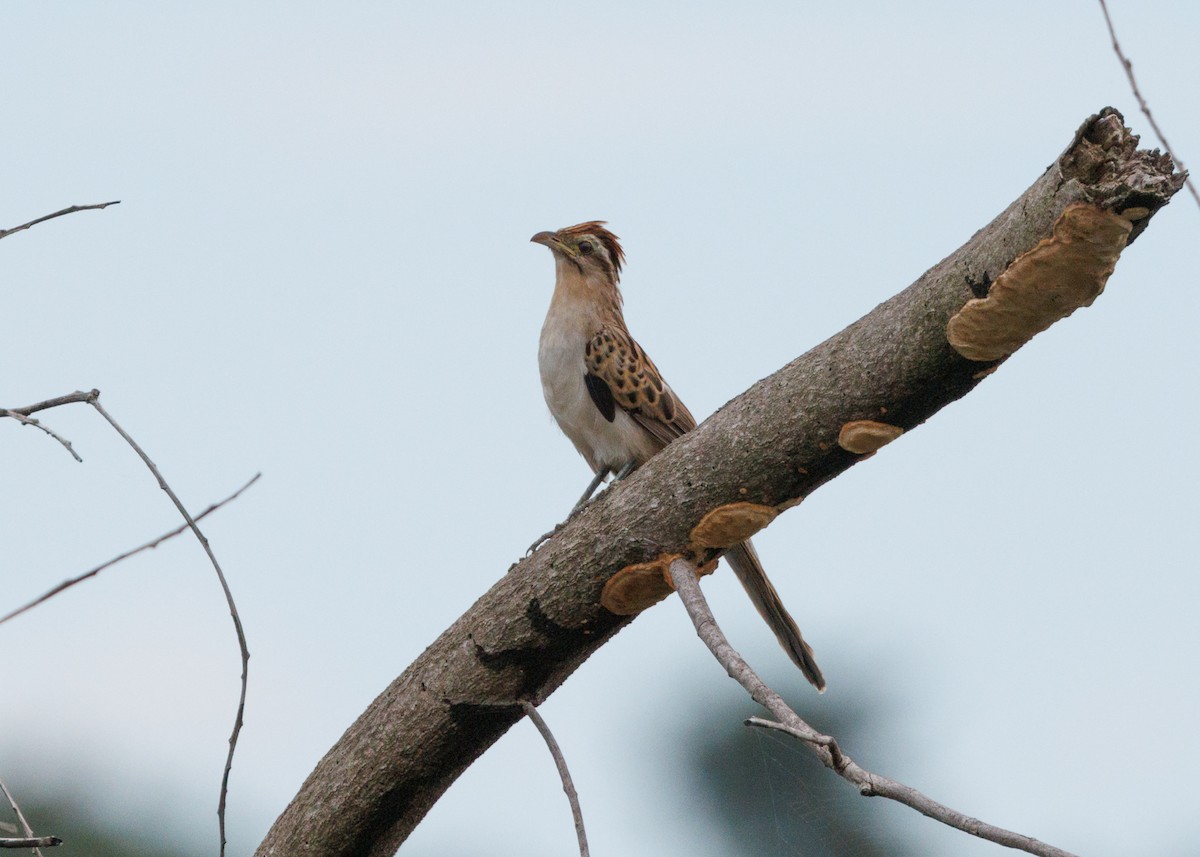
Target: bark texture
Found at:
771, 446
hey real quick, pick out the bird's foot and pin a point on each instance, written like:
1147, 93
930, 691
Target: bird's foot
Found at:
545, 537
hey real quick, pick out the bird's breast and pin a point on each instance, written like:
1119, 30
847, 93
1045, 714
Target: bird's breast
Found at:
604, 444
560, 361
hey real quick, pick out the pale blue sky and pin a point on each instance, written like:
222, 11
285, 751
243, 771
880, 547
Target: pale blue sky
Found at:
320, 269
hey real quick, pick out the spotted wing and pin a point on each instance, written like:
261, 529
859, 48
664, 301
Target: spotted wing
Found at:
619, 373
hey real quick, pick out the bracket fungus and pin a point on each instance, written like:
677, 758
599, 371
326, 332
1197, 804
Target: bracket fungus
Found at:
728, 525
636, 587
863, 437
1062, 273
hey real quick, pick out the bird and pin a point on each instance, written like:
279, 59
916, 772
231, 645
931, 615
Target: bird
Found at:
612, 403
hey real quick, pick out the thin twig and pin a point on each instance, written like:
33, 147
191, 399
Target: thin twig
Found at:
4, 233
683, 577
1128, 66
34, 842
30, 421
764, 723
237, 620
67, 584
70, 398
22, 415
12, 801
560, 762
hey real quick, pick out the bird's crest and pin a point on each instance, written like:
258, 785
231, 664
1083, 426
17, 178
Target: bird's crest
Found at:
596, 228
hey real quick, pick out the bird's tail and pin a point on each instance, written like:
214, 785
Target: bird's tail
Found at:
744, 561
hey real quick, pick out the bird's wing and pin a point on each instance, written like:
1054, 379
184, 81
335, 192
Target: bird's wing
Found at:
620, 375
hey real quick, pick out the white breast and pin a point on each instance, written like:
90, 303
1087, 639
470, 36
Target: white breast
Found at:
604, 445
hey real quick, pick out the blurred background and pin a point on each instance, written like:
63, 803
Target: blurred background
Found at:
320, 269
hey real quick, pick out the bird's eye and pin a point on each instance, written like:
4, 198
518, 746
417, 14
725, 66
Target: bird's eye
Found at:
585, 247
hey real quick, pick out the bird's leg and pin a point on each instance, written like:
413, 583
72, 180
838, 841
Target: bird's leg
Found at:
591, 489
575, 510
629, 467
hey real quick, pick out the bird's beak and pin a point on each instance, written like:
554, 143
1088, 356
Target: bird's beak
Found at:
550, 239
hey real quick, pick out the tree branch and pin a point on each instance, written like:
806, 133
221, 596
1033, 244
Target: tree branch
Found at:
1127, 65
92, 397
766, 450
30, 421
238, 720
29, 837
150, 545
683, 576
31, 842
4, 233
78, 397
22, 415
560, 762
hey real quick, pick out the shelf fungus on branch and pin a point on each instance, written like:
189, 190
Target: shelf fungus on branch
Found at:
1059, 275
641, 585
864, 437
726, 526
636, 587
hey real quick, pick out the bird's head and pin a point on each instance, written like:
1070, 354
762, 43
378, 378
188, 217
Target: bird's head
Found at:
589, 247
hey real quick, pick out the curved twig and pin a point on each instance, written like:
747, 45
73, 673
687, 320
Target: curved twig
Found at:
683, 575
30, 421
233, 611
560, 762
23, 415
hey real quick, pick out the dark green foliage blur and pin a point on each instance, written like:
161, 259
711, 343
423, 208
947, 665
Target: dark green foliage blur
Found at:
768, 795
85, 834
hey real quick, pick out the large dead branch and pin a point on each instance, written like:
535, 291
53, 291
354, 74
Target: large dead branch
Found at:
760, 454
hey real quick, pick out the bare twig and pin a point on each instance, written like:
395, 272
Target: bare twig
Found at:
1128, 66
34, 842
92, 398
560, 762
79, 396
683, 576
237, 620
67, 584
30, 421
21, 818
4, 233
22, 415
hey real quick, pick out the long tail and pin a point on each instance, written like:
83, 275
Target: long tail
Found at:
744, 561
